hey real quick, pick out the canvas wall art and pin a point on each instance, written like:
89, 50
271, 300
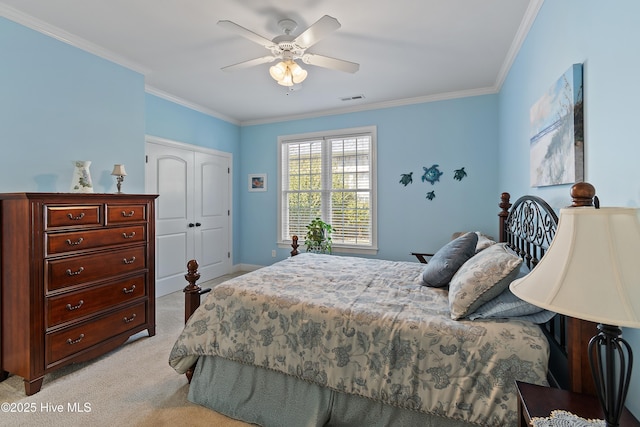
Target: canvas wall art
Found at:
556, 146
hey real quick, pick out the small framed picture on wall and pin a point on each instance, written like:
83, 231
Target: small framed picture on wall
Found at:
257, 182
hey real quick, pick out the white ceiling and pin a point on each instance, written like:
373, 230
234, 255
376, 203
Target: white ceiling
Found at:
408, 50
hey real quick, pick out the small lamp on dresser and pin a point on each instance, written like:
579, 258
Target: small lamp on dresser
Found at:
591, 272
119, 173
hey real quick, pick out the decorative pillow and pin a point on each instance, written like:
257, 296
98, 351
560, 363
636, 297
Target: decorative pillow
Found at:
444, 263
484, 241
482, 278
508, 306
505, 305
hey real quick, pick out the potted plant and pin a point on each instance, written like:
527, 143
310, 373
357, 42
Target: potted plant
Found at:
318, 237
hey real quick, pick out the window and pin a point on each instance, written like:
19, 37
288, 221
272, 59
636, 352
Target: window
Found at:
332, 176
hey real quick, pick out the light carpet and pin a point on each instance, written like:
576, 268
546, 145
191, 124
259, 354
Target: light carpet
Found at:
130, 386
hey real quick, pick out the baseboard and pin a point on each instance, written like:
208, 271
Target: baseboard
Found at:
246, 267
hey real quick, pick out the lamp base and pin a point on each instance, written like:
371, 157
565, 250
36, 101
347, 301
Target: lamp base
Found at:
611, 361
119, 180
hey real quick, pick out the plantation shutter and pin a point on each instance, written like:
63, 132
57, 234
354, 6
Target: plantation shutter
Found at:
329, 177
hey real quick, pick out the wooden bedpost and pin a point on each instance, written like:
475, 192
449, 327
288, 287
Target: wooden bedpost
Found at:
504, 213
192, 294
582, 194
580, 332
294, 245
191, 291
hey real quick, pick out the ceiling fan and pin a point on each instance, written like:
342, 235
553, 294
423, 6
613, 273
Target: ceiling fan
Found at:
288, 48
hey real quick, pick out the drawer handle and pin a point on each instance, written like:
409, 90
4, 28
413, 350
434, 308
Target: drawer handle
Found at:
129, 291
129, 319
76, 243
76, 341
129, 261
127, 215
74, 273
76, 218
128, 236
75, 307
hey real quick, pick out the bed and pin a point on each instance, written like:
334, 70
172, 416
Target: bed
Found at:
329, 340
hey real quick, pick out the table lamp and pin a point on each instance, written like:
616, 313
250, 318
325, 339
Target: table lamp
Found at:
119, 173
591, 272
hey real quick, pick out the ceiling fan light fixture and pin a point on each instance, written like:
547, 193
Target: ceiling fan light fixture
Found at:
288, 73
278, 71
297, 72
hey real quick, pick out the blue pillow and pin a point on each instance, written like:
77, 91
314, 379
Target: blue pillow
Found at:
508, 306
444, 263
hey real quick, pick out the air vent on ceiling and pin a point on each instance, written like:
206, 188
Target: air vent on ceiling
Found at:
352, 98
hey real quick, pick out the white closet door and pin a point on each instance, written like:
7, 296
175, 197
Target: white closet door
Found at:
192, 213
169, 173
212, 215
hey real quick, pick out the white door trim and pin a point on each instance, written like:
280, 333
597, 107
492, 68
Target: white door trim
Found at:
185, 146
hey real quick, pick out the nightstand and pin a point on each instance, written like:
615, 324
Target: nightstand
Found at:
539, 401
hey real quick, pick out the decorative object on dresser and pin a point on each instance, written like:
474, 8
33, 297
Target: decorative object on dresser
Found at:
119, 173
590, 272
81, 181
78, 274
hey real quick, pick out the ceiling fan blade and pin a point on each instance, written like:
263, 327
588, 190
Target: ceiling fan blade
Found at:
333, 63
248, 34
249, 63
321, 28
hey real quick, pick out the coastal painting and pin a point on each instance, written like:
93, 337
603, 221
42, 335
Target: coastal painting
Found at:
556, 146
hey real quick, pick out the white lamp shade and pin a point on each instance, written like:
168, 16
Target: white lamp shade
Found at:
591, 270
287, 80
278, 71
118, 170
297, 73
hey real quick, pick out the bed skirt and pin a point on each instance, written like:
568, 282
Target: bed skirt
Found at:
259, 396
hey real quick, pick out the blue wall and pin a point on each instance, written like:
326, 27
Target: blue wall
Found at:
453, 134
604, 37
58, 104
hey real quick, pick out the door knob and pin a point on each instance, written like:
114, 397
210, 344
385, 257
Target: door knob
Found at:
198, 224
191, 225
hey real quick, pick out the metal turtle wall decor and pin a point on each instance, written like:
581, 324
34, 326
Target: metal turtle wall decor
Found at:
431, 174
406, 178
458, 174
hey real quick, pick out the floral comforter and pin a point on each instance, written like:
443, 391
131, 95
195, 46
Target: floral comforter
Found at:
367, 327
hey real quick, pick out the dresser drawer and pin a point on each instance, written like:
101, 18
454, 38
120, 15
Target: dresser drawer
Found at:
86, 268
88, 239
66, 342
69, 216
73, 305
126, 213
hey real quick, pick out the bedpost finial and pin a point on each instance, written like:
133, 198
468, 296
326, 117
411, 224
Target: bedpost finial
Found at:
192, 276
504, 200
294, 245
582, 194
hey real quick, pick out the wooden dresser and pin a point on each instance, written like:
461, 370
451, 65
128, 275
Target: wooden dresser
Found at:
77, 278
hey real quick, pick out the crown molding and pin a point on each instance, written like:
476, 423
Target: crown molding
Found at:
191, 105
68, 38
523, 30
376, 106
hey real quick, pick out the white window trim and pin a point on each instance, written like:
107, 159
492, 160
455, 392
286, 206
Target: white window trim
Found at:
339, 248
